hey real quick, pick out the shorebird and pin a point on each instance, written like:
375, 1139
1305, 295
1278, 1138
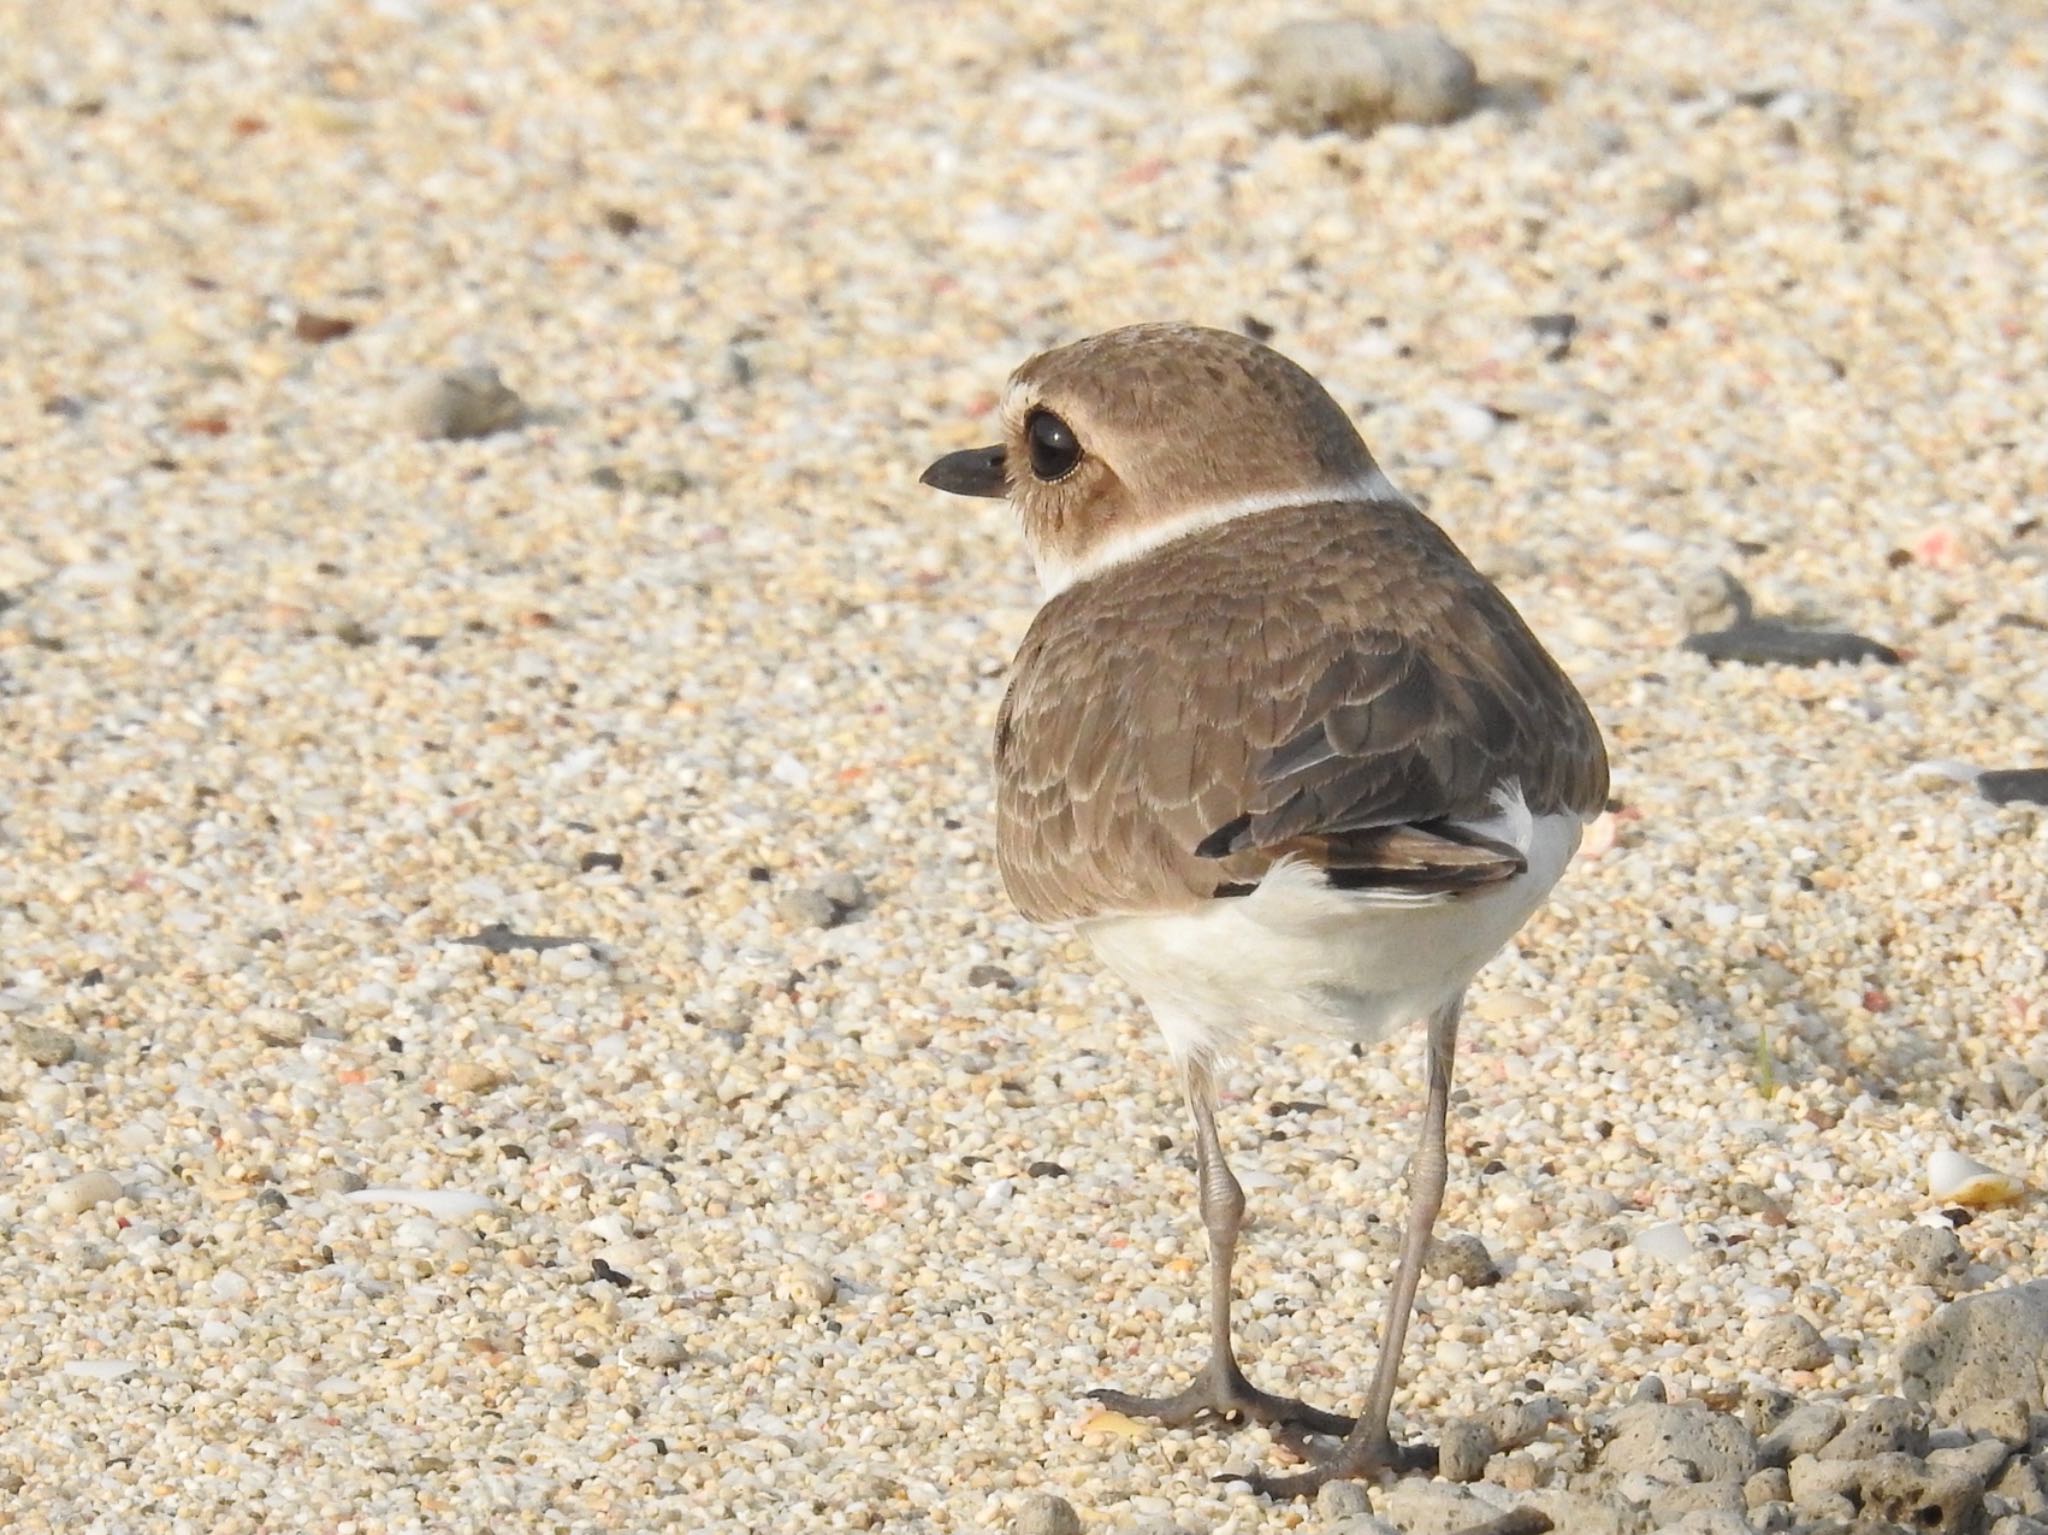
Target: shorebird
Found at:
1275, 747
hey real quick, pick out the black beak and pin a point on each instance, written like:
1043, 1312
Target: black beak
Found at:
970, 472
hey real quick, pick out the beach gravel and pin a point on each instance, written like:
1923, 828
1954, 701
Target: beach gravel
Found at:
508, 1016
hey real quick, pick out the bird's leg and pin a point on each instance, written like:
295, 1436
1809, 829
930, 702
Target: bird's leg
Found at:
1369, 1448
1220, 1390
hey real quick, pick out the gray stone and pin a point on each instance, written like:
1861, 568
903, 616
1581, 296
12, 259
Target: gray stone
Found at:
1581, 1514
1558, 1301
1516, 1424
1682, 1443
1668, 1504
44, 1045
2019, 1524
843, 889
1461, 1256
2024, 1487
468, 402
1983, 1460
1772, 1517
1887, 1426
807, 908
2005, 1419
1791, 1343
1353, 76
1931, 1255
1672, 197
1986, 1348
1433, 1508
1906, 1490
1770, 1486
1363, 1524
1464, 1448
1817, 1485
1339, 1500
1805, 1429
1764, 1407
1046, 1513
1709, 1522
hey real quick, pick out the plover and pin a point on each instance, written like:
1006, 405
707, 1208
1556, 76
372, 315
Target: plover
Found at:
1274, 746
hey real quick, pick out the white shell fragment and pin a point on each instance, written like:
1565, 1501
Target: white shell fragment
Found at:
1956, 1179
1666, 1241
442, 1204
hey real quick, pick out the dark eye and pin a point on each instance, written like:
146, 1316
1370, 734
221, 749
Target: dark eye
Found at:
1054, 448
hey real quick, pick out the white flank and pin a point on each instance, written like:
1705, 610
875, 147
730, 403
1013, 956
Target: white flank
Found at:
1056, 574
1298, 957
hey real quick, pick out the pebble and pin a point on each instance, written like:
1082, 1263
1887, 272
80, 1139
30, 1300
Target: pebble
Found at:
807, 908
1933, 1255
1046, 1513
278, 1025
1463, 1449
2005, 1419
1805, 1430
441, 1204
1461, 1256
1354, 76
474, 1077
1771, 1485
1672, 197
808, 1285
1791, 1343
1666, 1242
1419, 1507
1343, 1500
1679, 1442
79, 1193
44, 1045
1886, 1426
465, 403
2014, 786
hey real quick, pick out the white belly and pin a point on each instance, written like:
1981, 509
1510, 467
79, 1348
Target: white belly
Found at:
1297, 957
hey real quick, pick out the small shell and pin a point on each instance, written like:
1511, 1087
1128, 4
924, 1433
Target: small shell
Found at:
1665, 1241
441, 1204
1957, 1179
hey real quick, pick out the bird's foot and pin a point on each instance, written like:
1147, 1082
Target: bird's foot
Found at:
1348, 1462
1222, 1394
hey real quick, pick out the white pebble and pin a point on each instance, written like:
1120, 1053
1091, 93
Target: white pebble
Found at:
441, 1204
1666, 1241
74, 1196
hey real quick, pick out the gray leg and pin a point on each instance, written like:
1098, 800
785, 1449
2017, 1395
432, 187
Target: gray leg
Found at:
1369, 1447
1220, 1390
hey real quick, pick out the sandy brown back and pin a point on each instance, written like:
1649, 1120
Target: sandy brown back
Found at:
1333, 682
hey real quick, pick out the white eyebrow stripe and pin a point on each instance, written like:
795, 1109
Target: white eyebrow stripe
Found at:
1055, 575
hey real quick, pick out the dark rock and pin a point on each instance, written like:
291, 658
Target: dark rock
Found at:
1765, 642
500, 939
2007, 786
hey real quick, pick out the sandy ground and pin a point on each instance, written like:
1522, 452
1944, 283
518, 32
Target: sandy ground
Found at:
809, 1188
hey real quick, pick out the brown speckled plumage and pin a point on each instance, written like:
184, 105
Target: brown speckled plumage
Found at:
1338, 674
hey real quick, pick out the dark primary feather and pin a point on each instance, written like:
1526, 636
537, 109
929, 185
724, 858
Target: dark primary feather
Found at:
1332, 683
